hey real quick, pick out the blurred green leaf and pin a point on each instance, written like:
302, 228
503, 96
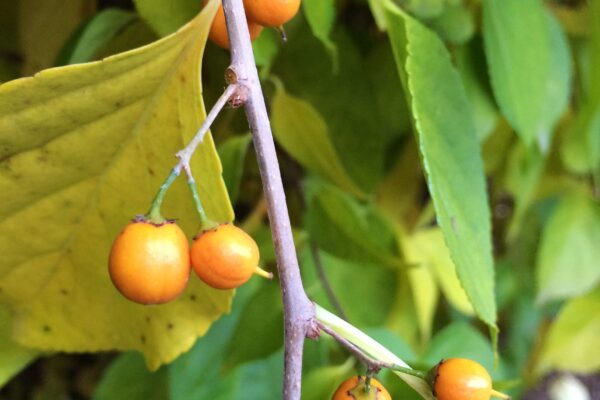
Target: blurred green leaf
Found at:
95, 34
573, 342
346, 228
459, 340
301, 131
581, 146
523, 172
166, 17
261, 379
127, 378
13, 357
567, 264
259, 332
527, 73
266, 47
425, 9
349, 101
451, 156
469, 63
320, 15
195, 374
232, 153
320, 383
455, 25
365, 291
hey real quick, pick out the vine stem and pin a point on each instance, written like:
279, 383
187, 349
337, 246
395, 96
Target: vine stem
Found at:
372, 349
298, 310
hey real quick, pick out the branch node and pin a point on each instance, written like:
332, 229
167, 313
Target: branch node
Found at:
240, 96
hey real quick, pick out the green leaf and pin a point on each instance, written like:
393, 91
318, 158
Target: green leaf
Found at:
353, 285
320, 15
526, 73
455, 25
256, 380
320, 383
567, 264
262, 315
195, 374
83, 149
524, 170
459, 340
352, 112
346, 228
97, 33
127, 378
232, 153
266, 47
573, 342
166, 17
450, 153
475, 80
581, 146
13, 356
301, 131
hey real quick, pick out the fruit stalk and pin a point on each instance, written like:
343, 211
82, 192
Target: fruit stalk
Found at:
372, 349
298, 309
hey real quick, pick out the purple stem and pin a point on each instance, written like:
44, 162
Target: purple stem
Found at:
298, 310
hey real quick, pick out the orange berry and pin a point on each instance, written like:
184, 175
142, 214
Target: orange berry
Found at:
225, 257
463, 379
354, 388
272, 13
150, 264
218, 30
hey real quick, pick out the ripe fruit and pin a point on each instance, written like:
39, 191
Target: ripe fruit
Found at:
272, 13
355, 388
149, 263
218, 30
462, 379
225, 257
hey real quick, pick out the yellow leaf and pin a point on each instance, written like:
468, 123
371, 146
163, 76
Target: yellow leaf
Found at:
82, 150
427, 247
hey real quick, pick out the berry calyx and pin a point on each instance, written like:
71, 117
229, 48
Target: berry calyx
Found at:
218, 29
462, 379
356, 388
149, 263
271, 13
225, 257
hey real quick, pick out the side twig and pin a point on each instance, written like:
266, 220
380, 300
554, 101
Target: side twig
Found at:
299, 313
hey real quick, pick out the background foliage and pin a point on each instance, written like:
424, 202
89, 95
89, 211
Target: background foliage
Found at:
441, 161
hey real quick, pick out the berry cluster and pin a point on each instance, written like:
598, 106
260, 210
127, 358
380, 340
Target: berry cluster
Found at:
259, 13
150, 263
